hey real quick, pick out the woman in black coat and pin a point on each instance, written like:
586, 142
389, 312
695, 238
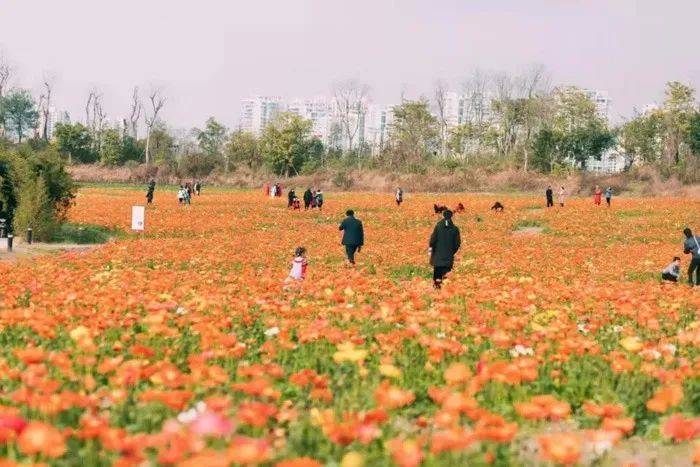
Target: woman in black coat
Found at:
444, 243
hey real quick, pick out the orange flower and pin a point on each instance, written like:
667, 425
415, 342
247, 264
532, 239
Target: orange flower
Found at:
457, 373
299, 462
41, 438
561, 448
406, 453
666, 398
392, 397
244, 450
680, 428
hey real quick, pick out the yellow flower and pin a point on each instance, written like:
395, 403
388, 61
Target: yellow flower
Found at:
390, 371
79, 333
348, 353
352, 459
632, 344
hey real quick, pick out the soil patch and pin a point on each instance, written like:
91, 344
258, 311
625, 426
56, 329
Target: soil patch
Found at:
21, 249
528, 231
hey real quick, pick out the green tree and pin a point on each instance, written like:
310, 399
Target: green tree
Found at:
75, 142
414, 137
574, 109
132, 150
286, 143
111, 147
641, 138
8, 189
162, 145
582, 143
693, 135
35, 210
243, 148
678, 107
545, 150
19, 112
212, 138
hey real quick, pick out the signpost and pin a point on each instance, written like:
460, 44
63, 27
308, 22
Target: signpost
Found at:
138, 214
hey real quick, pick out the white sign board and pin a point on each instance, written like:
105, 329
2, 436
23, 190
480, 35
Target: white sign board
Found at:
138, 214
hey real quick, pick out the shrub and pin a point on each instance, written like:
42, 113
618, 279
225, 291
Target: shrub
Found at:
35, 210
82, 234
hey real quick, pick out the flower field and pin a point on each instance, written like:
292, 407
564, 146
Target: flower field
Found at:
183, 346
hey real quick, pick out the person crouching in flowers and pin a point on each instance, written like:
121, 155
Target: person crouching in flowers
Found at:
673, 271
299, 264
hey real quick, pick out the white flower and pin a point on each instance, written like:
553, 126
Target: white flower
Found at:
653, 353
521, 350
670, 348
601, 447
180, 311
582, 328
617, 328
273, 331
440, 335
188, 416
200, 406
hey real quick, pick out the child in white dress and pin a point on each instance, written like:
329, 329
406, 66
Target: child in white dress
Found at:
299, 264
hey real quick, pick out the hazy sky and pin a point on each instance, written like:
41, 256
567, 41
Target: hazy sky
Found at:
208, 54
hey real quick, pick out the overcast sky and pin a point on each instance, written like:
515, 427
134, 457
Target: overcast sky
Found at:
208, 54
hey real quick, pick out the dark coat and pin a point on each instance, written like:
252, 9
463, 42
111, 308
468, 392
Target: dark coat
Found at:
549, 194
353, 233
308, 196
445, 242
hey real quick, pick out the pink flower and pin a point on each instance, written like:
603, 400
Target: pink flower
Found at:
211, 424
13, 422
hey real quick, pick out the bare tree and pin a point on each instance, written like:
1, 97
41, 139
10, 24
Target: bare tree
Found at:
88, 107
441, 103
476, 106
157, 102
350, 99
5, 75
135, 115
534, 86
46, 110
98, 117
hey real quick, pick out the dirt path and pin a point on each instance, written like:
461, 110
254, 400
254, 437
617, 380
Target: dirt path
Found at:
21, 249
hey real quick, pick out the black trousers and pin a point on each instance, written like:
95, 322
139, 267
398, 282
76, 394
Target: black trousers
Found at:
439, 273
669, 277
550, 202
694, 268
350, 251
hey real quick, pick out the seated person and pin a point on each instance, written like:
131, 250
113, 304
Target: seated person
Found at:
459, 208
673, 271
497, 206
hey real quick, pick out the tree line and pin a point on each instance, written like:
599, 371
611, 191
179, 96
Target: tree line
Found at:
516, 121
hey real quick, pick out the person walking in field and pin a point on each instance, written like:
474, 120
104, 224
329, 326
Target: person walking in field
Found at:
672, 272
353, 235
198, 187
442, 247
319, 199
597, 194
399, 196
608, 195
550, 196
180, 195
290, 198
562, 196
151, 189
308, 197
692, 246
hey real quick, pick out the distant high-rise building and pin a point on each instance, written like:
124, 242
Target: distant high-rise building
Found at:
318, 111
601, 101
377, 125
258, 111
54, 117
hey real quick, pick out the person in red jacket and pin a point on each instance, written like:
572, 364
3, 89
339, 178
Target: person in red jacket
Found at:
597, 195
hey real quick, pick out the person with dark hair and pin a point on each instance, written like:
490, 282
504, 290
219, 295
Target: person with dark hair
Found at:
318, 200
290, 198
497, 207
692, 246
597, 194
353, 235
444, 243
439, 208
459, 208
198, 187
608, 195
550, 196
149, 193
299, 265
308, 197
398, 196
672, 272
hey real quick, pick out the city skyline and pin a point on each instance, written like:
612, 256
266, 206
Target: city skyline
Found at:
208, 56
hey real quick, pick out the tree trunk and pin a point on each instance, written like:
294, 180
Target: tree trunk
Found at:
148, 145
526, 161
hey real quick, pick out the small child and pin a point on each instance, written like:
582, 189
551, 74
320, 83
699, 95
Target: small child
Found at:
180, 195
299, 264
673, 271
296, 204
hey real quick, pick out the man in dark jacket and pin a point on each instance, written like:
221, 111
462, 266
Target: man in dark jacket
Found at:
444, 243
550, 196
290, 198
353, 235
692, 246
308, 196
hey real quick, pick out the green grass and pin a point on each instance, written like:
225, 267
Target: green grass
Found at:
84, 234
409, 271
526, 223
